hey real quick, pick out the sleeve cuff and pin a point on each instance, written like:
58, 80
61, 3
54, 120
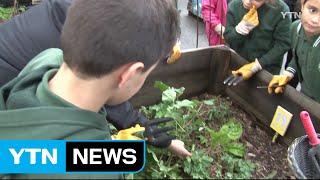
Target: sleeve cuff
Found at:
292, 70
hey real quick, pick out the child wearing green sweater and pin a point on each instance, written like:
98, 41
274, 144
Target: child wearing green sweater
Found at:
305, 35
257, 30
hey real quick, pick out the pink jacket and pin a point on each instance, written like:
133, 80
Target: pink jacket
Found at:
218, 11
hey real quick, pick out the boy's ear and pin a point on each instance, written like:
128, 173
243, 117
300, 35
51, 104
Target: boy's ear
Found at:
130, 71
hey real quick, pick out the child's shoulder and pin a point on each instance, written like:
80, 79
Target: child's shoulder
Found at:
49, 57
279, 6
296, 25
235, 4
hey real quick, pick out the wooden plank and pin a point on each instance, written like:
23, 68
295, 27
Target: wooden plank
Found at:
219, 65
191, 72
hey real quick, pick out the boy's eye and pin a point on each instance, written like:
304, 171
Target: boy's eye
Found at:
312, 10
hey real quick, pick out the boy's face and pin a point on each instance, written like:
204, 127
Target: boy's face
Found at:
249, 3
310, 17
131, 81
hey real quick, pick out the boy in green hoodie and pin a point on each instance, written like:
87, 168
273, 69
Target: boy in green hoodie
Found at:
305, 64
257, 30
108, 50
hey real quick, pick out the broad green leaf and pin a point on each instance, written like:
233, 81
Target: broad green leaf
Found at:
160, 85
209, 102
218, 138
184, 103
169, 95
236, 149
233, 130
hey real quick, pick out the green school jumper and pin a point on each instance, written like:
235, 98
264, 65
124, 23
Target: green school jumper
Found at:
267, 42
306, 61
29, 110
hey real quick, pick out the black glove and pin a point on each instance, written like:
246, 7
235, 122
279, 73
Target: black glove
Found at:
124, 116
158, 137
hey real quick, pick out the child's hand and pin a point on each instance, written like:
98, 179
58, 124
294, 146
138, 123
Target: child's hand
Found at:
248, 22
219, 29
278, 82
248, 70
252, 17
176, 53
177, 146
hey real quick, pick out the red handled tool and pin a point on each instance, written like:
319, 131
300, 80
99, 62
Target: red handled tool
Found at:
314, 152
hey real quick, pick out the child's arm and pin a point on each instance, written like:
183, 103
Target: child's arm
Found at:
232, 37
283, 79
292, 67
289, 73
282, 42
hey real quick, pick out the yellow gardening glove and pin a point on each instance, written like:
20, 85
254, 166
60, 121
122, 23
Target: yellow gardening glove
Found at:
127, 134
248, 22
248, 70
176, 53
252, 17
278, 82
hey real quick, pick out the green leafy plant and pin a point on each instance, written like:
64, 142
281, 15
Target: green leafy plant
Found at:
201, 161
158, 167
193, 121
5, 13
227, 138
220, 112
172, 107
237, 167
163, 170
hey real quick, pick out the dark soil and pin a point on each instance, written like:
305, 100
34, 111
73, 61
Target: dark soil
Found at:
270, 157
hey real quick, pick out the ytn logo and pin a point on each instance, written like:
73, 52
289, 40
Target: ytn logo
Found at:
32, 153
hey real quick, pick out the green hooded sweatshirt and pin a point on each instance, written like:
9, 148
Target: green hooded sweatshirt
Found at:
306, 60
29, 110
267, 42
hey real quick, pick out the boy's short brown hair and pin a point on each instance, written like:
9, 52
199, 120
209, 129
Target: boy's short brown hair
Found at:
101, 35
